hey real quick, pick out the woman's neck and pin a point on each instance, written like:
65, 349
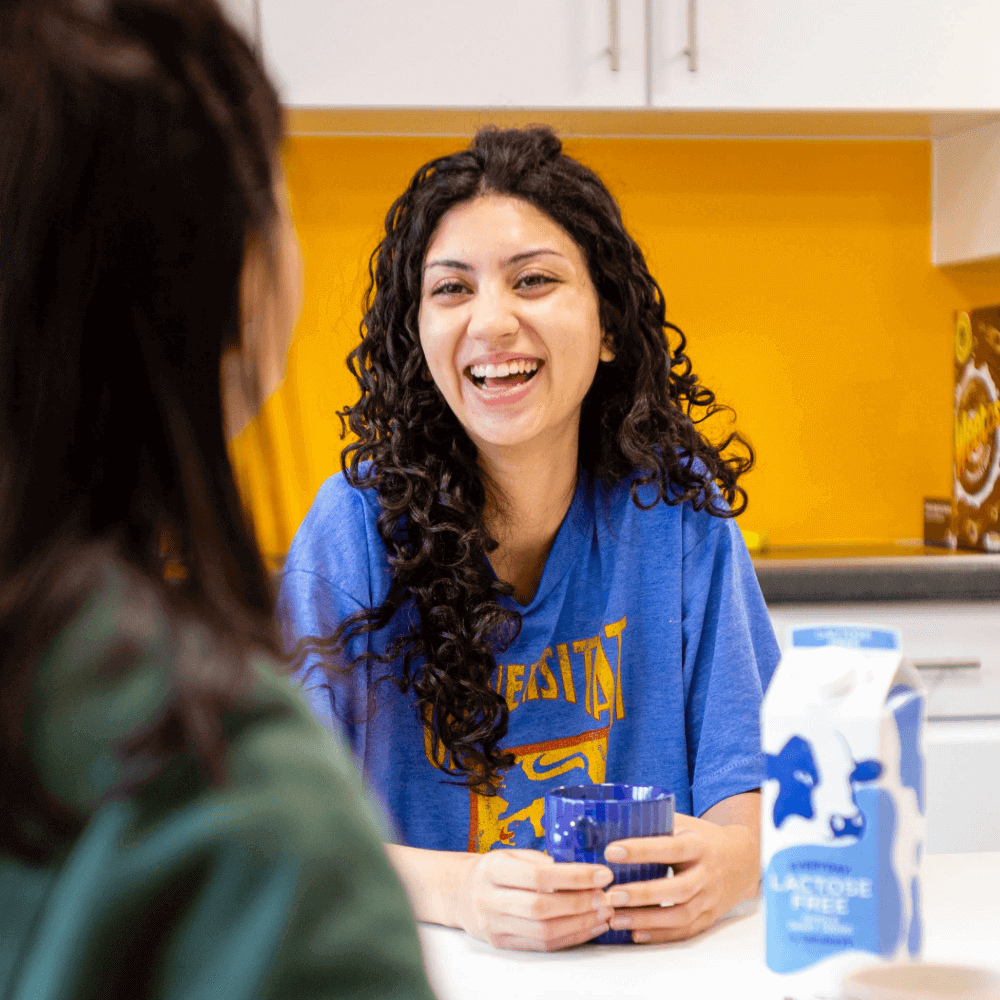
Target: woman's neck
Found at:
534, 488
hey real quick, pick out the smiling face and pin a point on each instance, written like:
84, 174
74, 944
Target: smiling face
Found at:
509, 324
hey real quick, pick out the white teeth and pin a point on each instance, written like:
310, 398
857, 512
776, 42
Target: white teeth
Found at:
519, 366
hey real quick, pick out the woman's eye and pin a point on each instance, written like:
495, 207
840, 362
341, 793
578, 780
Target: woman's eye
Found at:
534, 280
449, 288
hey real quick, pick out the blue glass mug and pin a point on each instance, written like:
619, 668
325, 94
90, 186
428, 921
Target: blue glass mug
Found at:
581, 820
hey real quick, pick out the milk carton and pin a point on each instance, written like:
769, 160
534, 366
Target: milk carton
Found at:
842, 808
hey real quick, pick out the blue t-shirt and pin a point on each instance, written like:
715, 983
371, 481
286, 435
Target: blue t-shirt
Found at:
642, 658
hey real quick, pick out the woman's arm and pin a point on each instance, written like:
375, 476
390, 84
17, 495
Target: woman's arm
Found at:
432, 880
716, 862
510, 898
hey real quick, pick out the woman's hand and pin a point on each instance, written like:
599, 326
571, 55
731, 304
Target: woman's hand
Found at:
524, 900
715, 867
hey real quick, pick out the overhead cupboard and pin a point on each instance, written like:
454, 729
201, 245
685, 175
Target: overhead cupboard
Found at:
679, 54
838, 68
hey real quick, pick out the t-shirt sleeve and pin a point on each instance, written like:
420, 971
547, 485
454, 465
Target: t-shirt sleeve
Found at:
310, 608
327, 578
730, 653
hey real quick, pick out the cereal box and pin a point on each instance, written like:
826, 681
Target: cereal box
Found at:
977, 429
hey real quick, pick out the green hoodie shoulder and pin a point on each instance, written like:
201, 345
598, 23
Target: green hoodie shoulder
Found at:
273, 884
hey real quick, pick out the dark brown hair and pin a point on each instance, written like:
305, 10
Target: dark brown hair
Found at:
137, 146
639, 422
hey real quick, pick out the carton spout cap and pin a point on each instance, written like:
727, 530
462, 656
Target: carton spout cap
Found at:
833, 678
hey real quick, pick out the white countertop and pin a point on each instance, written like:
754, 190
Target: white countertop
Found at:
961, 918
929, 630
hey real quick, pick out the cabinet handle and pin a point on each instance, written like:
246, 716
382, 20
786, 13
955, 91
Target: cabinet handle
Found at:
692, 50
614, 49
647, 34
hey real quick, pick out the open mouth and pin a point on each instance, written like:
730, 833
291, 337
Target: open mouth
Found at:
506, 375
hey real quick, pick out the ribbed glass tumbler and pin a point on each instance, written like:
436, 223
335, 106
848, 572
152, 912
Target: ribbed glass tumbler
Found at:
581, 820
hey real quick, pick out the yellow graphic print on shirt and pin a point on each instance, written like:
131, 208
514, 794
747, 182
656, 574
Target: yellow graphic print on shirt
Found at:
582, 759
520, 683
586, 671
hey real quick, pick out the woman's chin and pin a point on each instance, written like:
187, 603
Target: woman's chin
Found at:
533, 436
501, 439
504, 433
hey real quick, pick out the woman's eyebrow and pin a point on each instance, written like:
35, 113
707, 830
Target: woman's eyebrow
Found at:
457, 264
528, 254
518, 258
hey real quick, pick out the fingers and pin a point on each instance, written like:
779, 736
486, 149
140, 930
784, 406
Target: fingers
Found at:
676, 890
550, 905
519, 943
661, 935
539, 873
661, 918
681, 848
550, 935
523, 899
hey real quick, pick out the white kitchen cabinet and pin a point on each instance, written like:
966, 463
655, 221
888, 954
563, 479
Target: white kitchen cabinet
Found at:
454, 53
962, 739
928, 55
827, 54
782, 67
963, 799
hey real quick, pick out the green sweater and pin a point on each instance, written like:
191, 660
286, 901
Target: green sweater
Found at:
274, 885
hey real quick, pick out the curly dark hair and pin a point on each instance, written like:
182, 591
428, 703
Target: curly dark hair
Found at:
639, 419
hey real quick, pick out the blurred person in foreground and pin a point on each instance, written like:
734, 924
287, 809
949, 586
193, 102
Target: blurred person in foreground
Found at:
173, 822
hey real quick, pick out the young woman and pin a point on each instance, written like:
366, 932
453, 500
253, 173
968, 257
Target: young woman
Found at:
173, 823
530, 561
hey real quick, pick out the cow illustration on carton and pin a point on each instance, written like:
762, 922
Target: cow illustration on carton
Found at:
825, 808
843, 806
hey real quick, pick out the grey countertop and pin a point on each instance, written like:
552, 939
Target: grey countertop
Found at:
876, 573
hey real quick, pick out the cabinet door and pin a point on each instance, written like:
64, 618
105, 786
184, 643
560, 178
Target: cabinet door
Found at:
454, 53
828, 54
963, 801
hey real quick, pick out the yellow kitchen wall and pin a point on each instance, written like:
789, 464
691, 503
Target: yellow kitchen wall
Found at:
799, 270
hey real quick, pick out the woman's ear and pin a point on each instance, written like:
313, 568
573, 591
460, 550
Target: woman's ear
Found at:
607, 353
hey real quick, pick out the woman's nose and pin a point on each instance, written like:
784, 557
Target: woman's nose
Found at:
493, 316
